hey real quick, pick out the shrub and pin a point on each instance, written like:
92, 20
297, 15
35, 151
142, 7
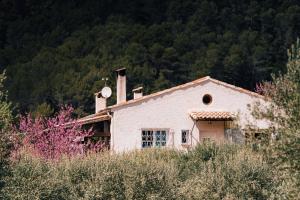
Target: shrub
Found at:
5, 137
227, 172
284, 113
207, 172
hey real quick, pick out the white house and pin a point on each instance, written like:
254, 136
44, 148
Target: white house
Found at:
179, 117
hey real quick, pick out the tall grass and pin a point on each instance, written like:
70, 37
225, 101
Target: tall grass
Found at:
207, 172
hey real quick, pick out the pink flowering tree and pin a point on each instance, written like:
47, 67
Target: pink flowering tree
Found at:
53, 137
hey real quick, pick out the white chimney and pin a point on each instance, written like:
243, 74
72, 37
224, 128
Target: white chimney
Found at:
137, 92
100, 102
121, 85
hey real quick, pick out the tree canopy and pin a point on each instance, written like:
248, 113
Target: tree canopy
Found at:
283, 111
56, 52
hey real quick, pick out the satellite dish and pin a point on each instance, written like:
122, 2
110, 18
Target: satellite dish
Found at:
106, 92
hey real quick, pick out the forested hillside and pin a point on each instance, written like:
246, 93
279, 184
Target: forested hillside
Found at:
56, 52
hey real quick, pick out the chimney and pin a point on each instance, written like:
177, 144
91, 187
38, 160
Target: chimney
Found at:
137, 92
121, 85
100, 102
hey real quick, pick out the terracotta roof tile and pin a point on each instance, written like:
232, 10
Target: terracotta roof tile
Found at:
212, 115
98, 117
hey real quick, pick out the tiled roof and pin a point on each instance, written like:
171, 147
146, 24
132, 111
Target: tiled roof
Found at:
186, 85
212, 115
98, 117
102, 115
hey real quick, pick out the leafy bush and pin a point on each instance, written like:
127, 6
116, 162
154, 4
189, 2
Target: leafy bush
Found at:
284, 114
5, 140
207, 172
227, 172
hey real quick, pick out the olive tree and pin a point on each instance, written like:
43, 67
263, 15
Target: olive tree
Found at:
283, 94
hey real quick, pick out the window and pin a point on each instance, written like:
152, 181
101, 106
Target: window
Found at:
160, 138
157, 138
147, 139
207, 99
185, 134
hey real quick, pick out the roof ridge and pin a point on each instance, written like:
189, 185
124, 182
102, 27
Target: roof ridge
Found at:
199, 80
191, 83
240, 89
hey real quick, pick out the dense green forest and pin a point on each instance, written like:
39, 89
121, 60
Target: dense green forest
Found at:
56, 52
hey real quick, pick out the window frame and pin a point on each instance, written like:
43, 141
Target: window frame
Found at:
154, 137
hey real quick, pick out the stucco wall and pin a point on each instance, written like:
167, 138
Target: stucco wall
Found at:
171, 111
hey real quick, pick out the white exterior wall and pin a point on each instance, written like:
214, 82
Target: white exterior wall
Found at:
171, 111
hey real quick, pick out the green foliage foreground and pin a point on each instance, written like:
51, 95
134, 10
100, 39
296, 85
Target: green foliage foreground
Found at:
284, 114
5, 122
207, 172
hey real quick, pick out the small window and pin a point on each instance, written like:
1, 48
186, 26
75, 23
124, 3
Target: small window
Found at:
147, 139
160, 138
157, 138
185, 136
207, 99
